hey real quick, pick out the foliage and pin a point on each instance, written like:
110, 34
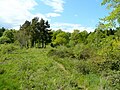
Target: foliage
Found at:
113, 80
9, 34
75, 37
77, 60
35, 68
2, 31
82, 52
8, 48
86, 67
61, 39
114, 16
4, 39
34, 32
61, 52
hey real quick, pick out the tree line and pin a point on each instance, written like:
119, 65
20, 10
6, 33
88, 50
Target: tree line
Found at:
32, 33
36, 33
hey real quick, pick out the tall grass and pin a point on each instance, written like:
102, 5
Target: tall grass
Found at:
34, 69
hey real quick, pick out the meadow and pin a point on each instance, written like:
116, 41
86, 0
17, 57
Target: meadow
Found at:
35, 69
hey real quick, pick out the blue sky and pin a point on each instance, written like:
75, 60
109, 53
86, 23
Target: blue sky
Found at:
62, 14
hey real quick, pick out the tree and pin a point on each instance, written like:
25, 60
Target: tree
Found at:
75, 38
83, 36
9, 34
35, 32
94, 38
61, 39
44, 32
23, 35
1, 31
114, 17
55, 33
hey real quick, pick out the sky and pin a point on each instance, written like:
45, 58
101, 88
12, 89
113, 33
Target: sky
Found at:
61, 14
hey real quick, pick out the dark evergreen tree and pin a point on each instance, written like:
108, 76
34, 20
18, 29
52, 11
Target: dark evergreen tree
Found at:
35, 32
1, 31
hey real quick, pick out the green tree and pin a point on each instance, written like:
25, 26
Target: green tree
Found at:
83, 36
94, 38
24, 35
61, 39
9, 34
35, 32
114, 17
55, 33
44, 32
75, 38
1, 31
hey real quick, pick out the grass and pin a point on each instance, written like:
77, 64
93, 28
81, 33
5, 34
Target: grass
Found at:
32, 69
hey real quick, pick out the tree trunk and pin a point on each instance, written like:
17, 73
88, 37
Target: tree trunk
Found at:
42, 43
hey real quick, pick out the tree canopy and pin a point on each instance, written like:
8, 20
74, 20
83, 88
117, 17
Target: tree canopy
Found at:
34, 32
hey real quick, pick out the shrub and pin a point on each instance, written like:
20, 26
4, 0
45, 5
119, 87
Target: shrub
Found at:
86, 67
113, 80
83, 68
8, 48
61, 52
110, 65
112, 61
4, 39
82, 52
2, 71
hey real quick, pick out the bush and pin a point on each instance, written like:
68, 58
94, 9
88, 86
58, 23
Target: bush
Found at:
9, 34
8, 48
2, 71
82, 52
4, 39
110, 65
112, 61
86, 67
113, 80
61, 52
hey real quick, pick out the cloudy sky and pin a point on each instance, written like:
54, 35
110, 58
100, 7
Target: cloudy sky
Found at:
62, 14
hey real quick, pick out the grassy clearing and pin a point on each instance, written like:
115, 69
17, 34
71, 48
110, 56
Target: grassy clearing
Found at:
32, 69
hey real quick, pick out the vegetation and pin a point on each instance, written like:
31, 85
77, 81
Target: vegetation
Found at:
34, 32
113, 18
37, 58
85, 61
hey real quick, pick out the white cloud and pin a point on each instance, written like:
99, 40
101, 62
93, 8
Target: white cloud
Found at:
57, 5
69, 27
52, 15
15, 12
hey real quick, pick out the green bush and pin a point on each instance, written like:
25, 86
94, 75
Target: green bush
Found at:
61, 52
82, 53
110, 65
2, 71
8, 48
113, 80
111, 62
4, 39
86, 67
